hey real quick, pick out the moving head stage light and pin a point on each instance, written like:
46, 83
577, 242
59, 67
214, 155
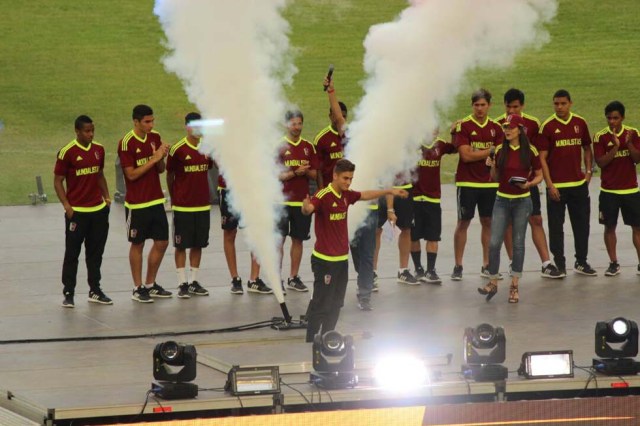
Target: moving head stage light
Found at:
617, 359
484, 351
172, 381
333, 361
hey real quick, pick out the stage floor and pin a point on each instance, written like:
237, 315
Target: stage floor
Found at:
86, 379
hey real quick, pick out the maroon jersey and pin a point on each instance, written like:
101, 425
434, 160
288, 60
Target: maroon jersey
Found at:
564, 140
293, 155
135, 152
531, 128
514, 168
190, 190
479, 137
81, 169
329, 149
619, 176
332, 236
427, 185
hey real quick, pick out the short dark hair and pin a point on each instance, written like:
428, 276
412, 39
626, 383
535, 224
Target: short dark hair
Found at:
562, 93
343, 108
82, 120
614, 106
513, 95
293, 114
481, 94
141, 111
344, 165
192, 116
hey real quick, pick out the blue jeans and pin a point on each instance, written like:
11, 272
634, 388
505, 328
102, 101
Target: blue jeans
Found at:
363, 248
516, 211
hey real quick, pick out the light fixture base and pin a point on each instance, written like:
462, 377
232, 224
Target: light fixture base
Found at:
336, 380
169, 390
485, 372
616, 366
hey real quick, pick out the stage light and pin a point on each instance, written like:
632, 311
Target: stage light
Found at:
484, 351
333, 361
253, 380
400, 372
547, 365
172, 382
617, 342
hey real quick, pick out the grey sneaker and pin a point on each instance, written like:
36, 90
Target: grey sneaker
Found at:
612, 270
484, 273
295, 283
141, 294
97, 296
420, 275
183, 291
550, 271
432, 278
68, 301
157, 291
197, 289
375, 281
236, 286
405, 277
584, 269
258, 286
364, 304
456, 275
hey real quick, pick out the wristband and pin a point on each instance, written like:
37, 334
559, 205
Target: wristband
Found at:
107, 200
391, 211
588, 172
331, 90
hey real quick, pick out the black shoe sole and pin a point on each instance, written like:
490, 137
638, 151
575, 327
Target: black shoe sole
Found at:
100, 302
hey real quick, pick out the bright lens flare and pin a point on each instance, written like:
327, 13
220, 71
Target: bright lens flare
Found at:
400, 372
620, 327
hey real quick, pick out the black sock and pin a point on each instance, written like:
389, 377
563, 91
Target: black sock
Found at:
431, 261
415, 256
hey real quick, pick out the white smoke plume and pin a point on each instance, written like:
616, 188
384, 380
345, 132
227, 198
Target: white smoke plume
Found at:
416, 66
232, 59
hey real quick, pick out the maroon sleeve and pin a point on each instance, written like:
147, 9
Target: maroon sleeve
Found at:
542, 141
599, 147
636, 138
317, 202
314, 158
170, 162
461, 137
586, 137
126, 158
535, 161
353, 196
60, 168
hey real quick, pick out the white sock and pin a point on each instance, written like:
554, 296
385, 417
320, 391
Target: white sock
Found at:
182, 275
149, 285
545, 264
401, 270
194, 274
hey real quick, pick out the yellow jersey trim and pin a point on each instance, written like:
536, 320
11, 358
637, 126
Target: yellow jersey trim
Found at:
191, 209
293, 203
569, 184
143, 205
514, 196
424, 198
621, 191
478, 185
407, 186
323, 132
178, 144
373, 207
330, 258
90, 209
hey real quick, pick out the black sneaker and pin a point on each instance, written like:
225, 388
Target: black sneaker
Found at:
484, 273
236, 286
141, 294
584, 269
550, 271
295, 283
405, 277
197, 289
183, 291
97, 296
364, 304
612, 270
456, 275
432, 278
157, 291
258, 286
375, 280
420, 275
68, 301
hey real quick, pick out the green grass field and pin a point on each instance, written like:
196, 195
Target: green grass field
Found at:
70, 58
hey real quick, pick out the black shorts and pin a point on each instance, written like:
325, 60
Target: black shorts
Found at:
147, 223
611, 204
535, 201
191, 229
427, 221
228, 220
404, 212
469, 197
295, 224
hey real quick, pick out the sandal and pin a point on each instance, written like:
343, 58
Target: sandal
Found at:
514, 297
488, 290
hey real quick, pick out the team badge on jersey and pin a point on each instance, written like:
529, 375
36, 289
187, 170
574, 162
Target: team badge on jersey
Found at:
327, 279
577, 129
97, 155
306, 151
493, 133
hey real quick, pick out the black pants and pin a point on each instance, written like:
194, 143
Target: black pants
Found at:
92, 230
577, 201
329, 287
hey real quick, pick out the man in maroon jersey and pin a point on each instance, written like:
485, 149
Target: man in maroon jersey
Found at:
300, 163
188, 185
329, 260
473, 137
427, 212
329, 142
514, 104
617, 151
86, 204
141, 153
564, 137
